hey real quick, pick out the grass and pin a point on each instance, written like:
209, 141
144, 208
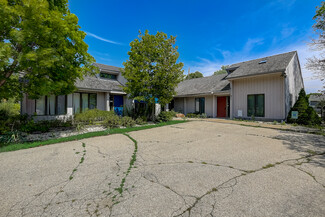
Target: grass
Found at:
19, 146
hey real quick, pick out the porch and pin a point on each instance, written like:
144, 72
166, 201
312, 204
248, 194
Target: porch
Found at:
214, 106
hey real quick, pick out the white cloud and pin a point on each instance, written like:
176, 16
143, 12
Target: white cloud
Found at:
102, 39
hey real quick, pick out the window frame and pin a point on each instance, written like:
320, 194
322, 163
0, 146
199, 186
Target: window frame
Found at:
255, 104
80, 100
107, 74
55, 107
201, 100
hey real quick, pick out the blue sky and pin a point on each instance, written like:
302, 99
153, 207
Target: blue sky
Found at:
209, 33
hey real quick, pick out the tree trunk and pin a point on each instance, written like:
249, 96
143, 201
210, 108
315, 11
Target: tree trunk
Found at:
153, 112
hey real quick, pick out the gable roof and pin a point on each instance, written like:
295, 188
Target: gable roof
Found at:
276, 63
317, 97
205, 85
97, 83
107, 68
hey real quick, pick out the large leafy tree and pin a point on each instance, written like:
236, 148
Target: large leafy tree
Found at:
42, 50
317, 64
221, 71
196, 74
152, 71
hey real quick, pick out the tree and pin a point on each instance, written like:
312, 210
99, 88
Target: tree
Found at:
317, 64
221, 71
196, 74
306, 114
152, 71
41, 48
321, 106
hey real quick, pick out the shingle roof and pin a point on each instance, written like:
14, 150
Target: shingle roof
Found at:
97, 83
276, 63
108, 68
94, 83
316, 97
205, 85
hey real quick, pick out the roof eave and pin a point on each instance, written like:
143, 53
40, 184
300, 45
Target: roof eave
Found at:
256, 74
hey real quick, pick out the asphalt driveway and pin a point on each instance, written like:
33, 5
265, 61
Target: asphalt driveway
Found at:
191, 169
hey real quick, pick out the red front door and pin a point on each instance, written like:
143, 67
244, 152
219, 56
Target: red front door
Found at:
221, 106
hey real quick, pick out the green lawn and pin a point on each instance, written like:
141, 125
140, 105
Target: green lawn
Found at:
14, 147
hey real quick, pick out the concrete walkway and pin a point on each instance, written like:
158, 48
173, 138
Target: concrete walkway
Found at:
197, 168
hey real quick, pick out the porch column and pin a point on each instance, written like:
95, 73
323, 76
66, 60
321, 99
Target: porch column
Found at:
214, 107
167, 107
107, 102
70, 104
185, 110
231, 101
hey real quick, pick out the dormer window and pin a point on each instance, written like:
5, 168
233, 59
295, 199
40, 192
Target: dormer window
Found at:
263, 61
108, 76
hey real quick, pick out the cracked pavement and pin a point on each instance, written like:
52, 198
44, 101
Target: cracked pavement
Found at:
190, 169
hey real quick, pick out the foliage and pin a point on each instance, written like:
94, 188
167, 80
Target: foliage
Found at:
152, 71
41, 41
11, 107
165, 116
92, 115
141, 121
13, 147
112, 121
31, 126
196, 115
306, 114
317, 64
127, 121
196, 74
221, 71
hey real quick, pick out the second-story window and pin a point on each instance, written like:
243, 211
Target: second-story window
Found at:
108, 76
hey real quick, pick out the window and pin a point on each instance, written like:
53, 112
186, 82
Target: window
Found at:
84, 101
51, 105
255, 105
40, 105
108, 76
76, 103
111, 102
200, 105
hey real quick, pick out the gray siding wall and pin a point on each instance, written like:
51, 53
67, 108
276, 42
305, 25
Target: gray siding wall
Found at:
179, 105
190, 105
293, 83
101, 101
272, 86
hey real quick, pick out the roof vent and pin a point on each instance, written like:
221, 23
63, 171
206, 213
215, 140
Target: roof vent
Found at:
263, 61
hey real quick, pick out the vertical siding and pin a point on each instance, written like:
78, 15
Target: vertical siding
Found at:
293, 83
179, 105
270, 85
190, 104
101, 102
209, 106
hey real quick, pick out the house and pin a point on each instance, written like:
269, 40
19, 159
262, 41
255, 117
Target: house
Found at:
314, 100
264, 88
102, 91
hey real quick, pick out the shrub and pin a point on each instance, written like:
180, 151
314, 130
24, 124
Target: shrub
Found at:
10, 107
165, 116
127, 121
203, 115
112, 121
192, 115
173, 113
306, 114
140, 121
91, 116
